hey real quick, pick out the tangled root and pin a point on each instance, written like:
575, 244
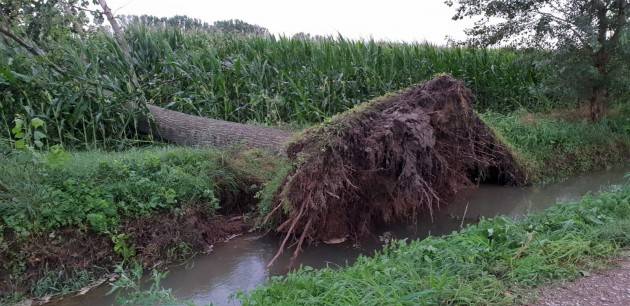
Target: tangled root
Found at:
386, 161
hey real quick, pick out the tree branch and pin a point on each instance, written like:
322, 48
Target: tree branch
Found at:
120, 38
34, 50
569, 25
621, 21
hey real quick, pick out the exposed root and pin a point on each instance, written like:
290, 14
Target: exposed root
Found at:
386, 161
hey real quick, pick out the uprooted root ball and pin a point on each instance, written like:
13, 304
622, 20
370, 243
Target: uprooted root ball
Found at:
386, 161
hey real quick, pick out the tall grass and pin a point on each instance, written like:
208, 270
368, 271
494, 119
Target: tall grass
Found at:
270, 80
84, 106
553, 148
238, 78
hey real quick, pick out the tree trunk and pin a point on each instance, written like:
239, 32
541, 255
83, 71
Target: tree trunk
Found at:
601, 59
597, 103
189, 130
122, 43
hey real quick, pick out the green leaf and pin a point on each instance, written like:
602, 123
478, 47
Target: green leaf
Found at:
490, 232
37, 123
17, 127
7, 75
39, 135
20, 144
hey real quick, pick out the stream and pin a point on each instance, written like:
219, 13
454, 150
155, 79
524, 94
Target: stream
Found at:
241, 263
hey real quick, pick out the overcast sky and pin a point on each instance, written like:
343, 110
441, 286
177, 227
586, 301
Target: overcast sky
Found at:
399, 20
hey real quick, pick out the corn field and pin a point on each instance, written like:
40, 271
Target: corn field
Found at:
262, 79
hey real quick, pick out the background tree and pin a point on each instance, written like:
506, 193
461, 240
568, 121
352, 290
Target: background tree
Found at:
42, 21
586, 36
236, 26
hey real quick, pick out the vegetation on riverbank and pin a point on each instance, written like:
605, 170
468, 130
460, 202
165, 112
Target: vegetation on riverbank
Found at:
69, 213
494, 262
554, 146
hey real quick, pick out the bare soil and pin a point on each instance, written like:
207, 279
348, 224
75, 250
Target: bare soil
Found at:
157, 240
611, 287
154, 237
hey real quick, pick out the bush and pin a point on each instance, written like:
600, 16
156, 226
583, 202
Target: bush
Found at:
96, 191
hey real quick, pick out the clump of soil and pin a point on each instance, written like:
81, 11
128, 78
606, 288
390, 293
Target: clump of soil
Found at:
157, 239
386, 161
59, 255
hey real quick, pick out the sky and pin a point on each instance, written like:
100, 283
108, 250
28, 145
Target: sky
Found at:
393, 20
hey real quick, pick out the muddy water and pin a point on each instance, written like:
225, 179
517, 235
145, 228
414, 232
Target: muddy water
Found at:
241, 263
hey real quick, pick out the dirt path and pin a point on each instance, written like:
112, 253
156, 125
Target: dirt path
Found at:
611, 287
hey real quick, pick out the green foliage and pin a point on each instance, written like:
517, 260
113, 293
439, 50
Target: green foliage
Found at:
96, 191
235, 77
266, 196
552, 148
122, 247
271, 80
86, 106
29, 135
239, 27
44, 21
494, 262
588, 39
233, 26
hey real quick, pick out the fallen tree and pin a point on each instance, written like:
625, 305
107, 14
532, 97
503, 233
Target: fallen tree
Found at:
189, 130
381, 162
385, 161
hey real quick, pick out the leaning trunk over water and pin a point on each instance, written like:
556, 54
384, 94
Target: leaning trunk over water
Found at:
384, 161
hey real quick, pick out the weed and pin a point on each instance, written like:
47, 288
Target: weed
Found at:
130, 282
122, 247
57, 282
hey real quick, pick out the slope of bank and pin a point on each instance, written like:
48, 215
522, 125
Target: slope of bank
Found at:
68, 219
553, 146
494, 262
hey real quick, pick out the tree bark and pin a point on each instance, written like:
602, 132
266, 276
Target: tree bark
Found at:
601, 59
189, 130
597, 103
